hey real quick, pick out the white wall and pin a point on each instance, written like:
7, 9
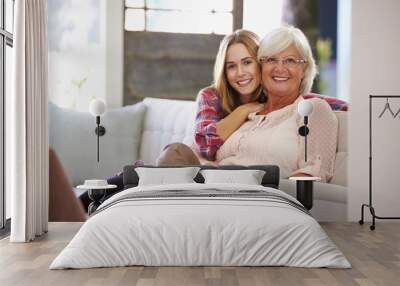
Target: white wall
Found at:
374, 69
343, 49
114, 53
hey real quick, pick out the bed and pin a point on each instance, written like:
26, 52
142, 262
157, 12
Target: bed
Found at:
201, 224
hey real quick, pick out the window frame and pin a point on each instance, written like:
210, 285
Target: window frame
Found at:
6, 39
236, 12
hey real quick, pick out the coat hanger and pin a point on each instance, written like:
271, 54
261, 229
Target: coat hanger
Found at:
387, 107
397, 113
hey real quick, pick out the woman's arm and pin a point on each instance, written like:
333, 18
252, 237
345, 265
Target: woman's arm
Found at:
211, 130
234, 120
208, 114
322, 142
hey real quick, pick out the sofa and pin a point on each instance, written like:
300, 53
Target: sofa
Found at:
140, 131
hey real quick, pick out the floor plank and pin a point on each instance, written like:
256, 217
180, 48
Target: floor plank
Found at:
374, 255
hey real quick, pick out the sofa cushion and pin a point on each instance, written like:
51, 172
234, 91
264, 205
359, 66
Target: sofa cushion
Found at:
330, 200
322, 191
166, 121
342, 132
335, 103
340, 167
73, 138
169, 121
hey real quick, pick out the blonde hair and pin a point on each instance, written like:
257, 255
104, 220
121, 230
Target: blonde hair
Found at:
279, 39
230, 98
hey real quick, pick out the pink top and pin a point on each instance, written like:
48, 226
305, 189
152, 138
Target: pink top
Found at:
274, 139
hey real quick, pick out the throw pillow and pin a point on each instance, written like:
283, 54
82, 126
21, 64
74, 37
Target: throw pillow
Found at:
163, 176
249, 177
72, 136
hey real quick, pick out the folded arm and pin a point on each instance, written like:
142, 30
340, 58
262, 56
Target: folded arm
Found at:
211, 128
322, 143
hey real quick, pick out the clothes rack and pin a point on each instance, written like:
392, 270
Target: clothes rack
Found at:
370, 204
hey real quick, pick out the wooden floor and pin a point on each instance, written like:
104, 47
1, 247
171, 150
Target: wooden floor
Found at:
374, 255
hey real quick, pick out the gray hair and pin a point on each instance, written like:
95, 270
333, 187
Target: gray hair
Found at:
279, 39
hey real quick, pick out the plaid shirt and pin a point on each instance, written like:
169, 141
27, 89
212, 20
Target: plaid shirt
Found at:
209, 113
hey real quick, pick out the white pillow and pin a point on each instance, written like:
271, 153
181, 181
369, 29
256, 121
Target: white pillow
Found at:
249, 177
72, 136
166, 176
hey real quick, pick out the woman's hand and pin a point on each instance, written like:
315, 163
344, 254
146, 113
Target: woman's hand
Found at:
250, 107
233, 121
301, 175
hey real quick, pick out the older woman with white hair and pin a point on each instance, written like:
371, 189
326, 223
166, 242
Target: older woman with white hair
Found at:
271, 136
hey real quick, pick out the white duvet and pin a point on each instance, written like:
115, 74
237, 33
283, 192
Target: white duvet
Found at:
182, 231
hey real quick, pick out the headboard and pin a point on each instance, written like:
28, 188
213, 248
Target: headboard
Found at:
270, 179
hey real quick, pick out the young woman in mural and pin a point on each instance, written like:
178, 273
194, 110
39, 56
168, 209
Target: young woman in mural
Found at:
225, 105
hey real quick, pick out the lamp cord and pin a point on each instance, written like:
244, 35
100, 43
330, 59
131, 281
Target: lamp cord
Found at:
98, 131
305, 148
305, 137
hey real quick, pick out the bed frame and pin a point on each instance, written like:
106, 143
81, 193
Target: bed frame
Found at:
270, 179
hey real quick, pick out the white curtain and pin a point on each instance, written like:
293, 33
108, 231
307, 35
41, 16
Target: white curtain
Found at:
28, 145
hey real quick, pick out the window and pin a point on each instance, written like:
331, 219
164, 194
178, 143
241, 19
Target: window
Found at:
179, 16
262, 16
6, 43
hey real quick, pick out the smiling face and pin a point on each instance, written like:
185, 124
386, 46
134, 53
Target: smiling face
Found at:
242, 71
283, 80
